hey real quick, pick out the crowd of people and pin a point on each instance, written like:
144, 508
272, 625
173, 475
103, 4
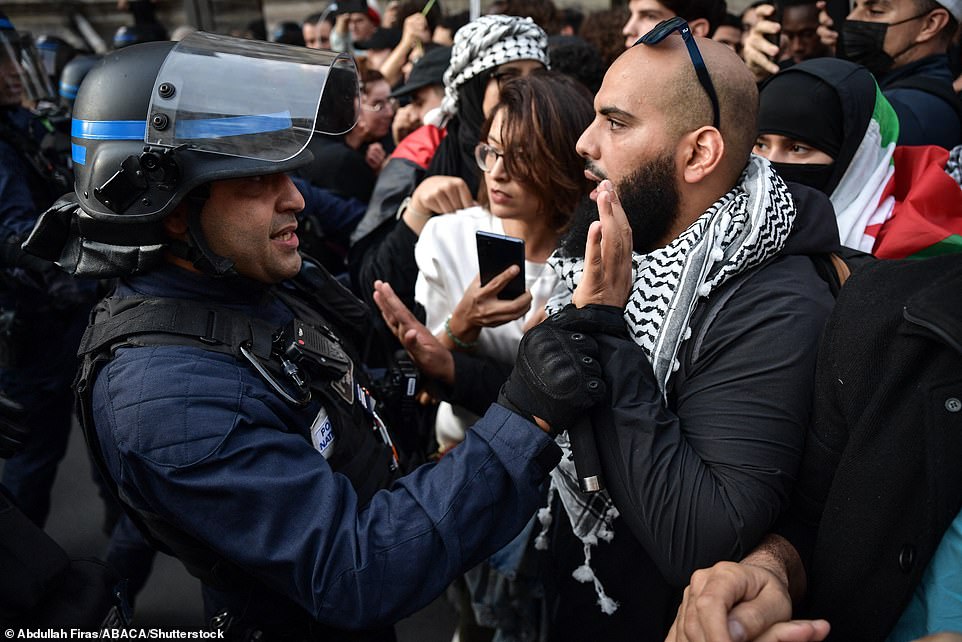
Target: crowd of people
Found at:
724, 403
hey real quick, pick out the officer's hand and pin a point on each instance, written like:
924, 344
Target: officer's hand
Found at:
556, 375
607, 276
13, 434
826, 28
428, 354
758, 52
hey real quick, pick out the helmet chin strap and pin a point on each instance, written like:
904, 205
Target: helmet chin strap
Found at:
195, 249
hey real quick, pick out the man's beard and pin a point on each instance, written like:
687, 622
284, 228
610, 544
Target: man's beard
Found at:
649, 197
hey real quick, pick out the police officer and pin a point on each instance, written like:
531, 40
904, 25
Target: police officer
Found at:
42, 311
221, 385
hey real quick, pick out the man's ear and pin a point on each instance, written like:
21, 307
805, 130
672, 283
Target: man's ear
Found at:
175, 224
702, 152
933, 24
699, 27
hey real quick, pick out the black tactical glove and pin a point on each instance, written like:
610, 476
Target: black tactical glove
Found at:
556, 376
593, 319
13, 435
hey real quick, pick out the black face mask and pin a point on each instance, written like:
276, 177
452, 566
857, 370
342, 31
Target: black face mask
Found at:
863, 42
815, 176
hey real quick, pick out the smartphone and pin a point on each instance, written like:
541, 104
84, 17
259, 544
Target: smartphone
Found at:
495, 253
775, 38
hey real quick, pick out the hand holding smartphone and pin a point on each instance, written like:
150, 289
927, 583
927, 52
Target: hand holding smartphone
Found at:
495, 254
776, 16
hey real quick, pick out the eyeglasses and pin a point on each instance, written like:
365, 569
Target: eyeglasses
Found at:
486, 156
380, 105
667, 27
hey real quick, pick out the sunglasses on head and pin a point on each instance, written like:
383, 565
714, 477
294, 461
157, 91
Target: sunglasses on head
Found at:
667, 27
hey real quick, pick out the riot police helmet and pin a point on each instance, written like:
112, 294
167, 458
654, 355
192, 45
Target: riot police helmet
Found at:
156, 122
139, 33
22, 71
73, 74
152, 122
55, 53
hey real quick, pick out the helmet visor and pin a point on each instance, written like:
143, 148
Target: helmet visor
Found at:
37, 83
252, 99
22, 75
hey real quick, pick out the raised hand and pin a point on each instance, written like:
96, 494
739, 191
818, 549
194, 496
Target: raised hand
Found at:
607, 277
826, 27
431, 357
758, 52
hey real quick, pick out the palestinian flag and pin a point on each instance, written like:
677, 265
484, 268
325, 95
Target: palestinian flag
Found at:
926, 218
897, 202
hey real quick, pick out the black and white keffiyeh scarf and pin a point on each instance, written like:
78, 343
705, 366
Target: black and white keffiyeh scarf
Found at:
747, 226
953, 167
486, 43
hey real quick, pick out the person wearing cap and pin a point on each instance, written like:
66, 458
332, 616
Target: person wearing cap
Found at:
824, 123
487, 52
254, 445
424, 91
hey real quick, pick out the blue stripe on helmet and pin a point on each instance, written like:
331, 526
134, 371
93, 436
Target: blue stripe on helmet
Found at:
108, 129
233, 126
79, 153
68, 91
6, 24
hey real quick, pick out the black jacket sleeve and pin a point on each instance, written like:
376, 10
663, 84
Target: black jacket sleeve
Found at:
823, 451
477, 381
388, 256
703, 477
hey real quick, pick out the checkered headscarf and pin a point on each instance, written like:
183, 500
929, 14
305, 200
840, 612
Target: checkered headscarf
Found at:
486, 43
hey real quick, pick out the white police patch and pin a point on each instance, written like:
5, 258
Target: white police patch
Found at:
322, 434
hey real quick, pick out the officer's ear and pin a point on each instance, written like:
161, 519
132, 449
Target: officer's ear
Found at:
175, 224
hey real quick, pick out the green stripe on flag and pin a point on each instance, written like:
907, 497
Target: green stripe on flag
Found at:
884, 115
949, 245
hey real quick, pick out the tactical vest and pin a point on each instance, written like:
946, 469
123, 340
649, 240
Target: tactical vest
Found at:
360, 451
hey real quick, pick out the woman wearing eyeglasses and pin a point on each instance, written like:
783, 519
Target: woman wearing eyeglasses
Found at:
486, 54
532, 180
